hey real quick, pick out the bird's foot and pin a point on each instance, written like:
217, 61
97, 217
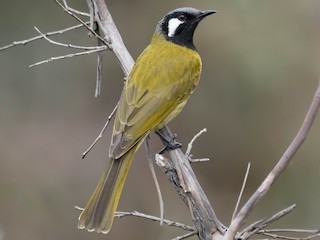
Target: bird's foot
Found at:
170, 143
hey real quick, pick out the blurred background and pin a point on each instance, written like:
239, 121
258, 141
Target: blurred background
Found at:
260, 72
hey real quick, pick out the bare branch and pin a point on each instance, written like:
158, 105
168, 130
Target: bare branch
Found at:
265, 186
101, 132
154, 176
317, 231
91, 12
276, 236
271, 233
68, 45
179, 172
99, 74
112, 35
190, 144
153, 218
265, 223
83, 23
187, 235
241, 192
198, 160
74, 10
150, 217
103, 48
25, 42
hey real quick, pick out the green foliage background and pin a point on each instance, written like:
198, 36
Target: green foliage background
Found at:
260, 71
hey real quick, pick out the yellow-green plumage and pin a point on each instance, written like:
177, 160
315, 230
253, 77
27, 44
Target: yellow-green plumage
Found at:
158, 87
152, 96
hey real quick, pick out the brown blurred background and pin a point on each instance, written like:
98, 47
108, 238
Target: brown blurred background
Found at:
260, 71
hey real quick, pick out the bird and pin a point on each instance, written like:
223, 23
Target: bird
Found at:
158, 87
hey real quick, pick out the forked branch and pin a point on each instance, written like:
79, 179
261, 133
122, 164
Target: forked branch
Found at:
283, 163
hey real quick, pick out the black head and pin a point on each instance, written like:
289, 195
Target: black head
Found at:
178, 25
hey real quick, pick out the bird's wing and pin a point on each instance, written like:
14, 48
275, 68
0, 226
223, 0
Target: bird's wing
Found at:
158, 87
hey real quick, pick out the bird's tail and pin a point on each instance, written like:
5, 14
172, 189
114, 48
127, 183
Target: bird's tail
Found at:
99, 213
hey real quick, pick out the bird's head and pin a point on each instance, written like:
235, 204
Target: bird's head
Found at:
178, 25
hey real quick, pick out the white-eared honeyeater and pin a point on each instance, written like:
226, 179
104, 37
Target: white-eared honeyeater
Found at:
159, 85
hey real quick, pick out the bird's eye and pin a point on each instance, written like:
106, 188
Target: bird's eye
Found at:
182, 17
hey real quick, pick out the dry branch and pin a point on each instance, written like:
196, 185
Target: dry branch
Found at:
101, 132
284, 161
26, 41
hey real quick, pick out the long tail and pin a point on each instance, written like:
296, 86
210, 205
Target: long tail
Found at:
99, 213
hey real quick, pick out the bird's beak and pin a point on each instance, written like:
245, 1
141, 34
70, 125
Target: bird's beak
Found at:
205, 13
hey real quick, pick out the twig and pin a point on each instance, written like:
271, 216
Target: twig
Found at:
276, 236
153, 218
265, 186
91, 12
83, 23
119, 214
68, 45
316, 231
265, 223
100, 55
250, 228
84, 154
74, 10
69, 56
187, 235
190, 144
25, 42
96, 33
99, 74
112, 36
270, 233
199, 160
99, 67
154, 176
241, 191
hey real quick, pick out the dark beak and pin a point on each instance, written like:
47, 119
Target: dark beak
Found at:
205, 13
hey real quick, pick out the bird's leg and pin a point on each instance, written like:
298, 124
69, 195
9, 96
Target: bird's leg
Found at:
168, 139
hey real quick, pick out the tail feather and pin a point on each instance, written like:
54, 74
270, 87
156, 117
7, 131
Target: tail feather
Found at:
99, 213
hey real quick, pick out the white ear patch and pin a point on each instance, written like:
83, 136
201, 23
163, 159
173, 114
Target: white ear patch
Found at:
173, 24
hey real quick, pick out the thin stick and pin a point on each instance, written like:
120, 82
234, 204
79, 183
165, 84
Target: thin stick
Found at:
99, 74
154, 176
69, 56
199, 160
83, 23
68, 45
153, 218
84, 154
74, 10
99, 68
241, 191
26, 41
265, 186
187, 235
150, 217
188, 152
276, 236
316, 231
265, 223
